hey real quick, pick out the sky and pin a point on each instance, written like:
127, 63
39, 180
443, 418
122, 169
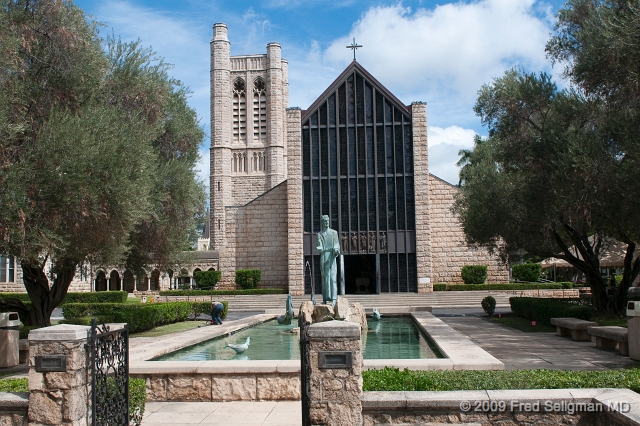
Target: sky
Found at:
440, 53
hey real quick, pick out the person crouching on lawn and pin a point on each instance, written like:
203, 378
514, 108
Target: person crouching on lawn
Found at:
216, 310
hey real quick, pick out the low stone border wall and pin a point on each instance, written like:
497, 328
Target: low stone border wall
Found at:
572, 293
611, 407
218, 384
14, 408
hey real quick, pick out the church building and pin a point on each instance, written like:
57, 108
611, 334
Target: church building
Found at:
358, 154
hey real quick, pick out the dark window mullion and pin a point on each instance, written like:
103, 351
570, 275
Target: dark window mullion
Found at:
357, 148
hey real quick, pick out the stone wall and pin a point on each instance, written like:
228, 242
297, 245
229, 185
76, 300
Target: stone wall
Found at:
585, 407
246, 188
14, 408
260, 237
449, 249
275, 386
294, 203
422, 194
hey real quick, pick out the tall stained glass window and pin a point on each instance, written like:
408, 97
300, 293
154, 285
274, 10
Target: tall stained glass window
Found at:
357, 154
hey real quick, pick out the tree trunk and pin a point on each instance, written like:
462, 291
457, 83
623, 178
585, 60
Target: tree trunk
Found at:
45, 299
631, 269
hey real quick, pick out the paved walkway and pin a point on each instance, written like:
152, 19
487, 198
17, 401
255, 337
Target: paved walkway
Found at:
244, 413
528, 351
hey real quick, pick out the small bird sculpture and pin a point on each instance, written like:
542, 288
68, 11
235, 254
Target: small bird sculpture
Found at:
376, 314
239, 348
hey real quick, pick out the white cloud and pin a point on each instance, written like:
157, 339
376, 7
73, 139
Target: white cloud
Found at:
444, 144
445, 54
453, 135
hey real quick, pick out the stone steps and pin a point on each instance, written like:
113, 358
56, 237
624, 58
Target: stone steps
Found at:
245, 303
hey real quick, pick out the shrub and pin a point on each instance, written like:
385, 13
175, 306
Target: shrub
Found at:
567, 284
500, 286
248, 278
474, 274
392, 379
207, 279
14, 385
139, 316
77, 297
222, 292
489, 305
542, 310
137, 400
528, 272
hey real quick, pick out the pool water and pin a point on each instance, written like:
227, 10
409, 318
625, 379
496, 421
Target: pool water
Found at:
390, 338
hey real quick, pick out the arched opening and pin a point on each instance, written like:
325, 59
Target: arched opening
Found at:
211, 269
195, 283
239, 110
184, 280
142, 283
154, 282
114, 281
101, 281
128, 281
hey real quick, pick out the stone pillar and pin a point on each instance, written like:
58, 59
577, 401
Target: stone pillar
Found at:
276, 117
294, 203
60, 398
336, 393
422, 190
221, 134
633, 324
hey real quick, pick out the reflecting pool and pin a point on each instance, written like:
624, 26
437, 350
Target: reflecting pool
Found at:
390, 338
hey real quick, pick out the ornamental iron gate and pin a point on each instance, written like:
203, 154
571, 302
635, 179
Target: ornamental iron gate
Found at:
305, 370
109, 375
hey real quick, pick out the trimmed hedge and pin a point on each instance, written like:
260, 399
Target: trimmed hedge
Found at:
474, 274
248, 278
140, 317
489, 305
77, 297
529, 272
501, 286
542, 310
392, 379
222, 292
206, 279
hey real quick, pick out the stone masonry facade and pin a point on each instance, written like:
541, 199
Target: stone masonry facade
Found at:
260, 240
449, 249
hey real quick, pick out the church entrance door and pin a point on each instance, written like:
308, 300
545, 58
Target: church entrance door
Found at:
360, 274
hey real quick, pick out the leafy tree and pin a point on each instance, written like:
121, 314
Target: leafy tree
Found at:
546, 179
96, 151
553, 177
598, 41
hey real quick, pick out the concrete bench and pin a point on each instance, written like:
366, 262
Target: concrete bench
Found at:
574, 327
23, 351
607, 337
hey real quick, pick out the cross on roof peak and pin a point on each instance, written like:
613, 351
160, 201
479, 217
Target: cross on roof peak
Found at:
353, 46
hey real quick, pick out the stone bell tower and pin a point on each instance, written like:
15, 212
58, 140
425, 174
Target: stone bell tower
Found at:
249, 94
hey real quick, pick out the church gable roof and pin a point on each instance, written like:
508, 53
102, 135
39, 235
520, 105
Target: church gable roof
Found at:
354, 66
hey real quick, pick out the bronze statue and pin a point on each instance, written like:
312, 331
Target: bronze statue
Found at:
329, 248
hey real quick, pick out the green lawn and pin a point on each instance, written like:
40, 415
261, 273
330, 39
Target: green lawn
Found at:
522, 324
170, 328
610, 319
14, 385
